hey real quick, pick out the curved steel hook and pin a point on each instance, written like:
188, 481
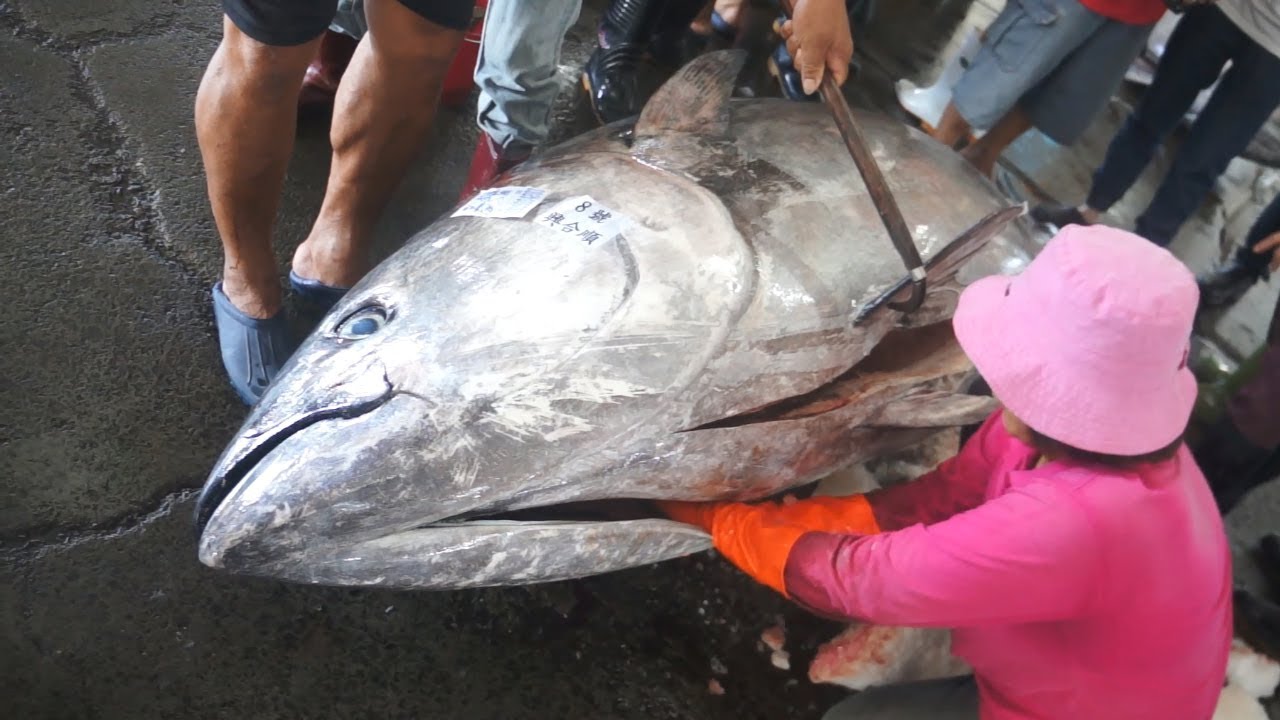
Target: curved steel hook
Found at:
876, 184
918, 288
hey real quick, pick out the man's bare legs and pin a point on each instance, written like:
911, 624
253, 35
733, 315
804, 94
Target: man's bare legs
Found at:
986, 150
246, 112
246, 109
952, 127
384, 108
1089, 214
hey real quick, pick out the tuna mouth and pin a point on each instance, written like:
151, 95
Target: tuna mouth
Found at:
221, 484
582, 511
606, 510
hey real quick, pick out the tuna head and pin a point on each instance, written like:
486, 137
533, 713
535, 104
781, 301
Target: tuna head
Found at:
497, 402
465, 377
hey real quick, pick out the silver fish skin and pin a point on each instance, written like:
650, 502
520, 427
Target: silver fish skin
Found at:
492, 404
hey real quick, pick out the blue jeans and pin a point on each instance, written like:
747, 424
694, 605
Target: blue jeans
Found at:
517, 68
350, 19
1200, 46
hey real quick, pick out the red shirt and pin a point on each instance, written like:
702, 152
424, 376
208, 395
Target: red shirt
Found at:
1133, 12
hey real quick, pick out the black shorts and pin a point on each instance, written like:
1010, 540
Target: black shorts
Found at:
282, 23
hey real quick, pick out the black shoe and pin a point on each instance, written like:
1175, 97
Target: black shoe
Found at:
1226, 285
1269, 550
1232, 465
1257, 623
1267, 555
1058, 215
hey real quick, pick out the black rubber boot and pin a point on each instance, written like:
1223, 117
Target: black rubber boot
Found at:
630, 31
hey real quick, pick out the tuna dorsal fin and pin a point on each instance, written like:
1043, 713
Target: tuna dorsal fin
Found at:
695, 99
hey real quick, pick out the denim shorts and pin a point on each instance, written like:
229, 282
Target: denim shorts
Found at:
283, 23
1055, 59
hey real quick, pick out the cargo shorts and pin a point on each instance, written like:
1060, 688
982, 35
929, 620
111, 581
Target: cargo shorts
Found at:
1056, 59
284, 23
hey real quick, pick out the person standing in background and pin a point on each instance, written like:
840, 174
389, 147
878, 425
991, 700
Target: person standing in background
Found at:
1244, 33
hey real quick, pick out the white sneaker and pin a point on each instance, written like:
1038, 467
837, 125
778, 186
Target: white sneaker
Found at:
928, 103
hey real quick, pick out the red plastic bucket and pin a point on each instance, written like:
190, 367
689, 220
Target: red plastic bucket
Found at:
461, 76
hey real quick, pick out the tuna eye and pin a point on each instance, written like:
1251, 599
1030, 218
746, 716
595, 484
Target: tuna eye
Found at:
362, 323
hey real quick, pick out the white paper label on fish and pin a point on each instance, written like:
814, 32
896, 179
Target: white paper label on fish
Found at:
512, 202
585, 219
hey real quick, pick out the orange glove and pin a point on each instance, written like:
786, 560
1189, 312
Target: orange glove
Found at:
758, 538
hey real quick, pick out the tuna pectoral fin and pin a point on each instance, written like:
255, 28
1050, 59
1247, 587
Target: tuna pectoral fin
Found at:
696, 99
905, 360
941, 269
935, 410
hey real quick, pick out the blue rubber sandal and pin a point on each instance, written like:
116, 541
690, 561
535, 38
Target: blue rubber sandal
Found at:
315, 292
723, 29
783, 69
253, 350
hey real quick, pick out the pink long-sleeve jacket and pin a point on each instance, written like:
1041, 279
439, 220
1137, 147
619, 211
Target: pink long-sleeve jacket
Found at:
1075, 592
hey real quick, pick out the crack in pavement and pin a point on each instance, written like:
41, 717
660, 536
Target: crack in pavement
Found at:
36, 550
120, 180
115, 175
123, 200
12, 18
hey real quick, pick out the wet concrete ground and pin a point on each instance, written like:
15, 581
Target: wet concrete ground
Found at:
114, 407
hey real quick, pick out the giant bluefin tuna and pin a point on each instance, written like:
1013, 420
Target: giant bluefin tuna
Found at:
683, 306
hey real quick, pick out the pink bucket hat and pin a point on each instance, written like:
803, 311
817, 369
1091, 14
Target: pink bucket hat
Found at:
1089, 344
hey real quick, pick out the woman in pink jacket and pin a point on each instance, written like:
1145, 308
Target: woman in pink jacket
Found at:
1073, 546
